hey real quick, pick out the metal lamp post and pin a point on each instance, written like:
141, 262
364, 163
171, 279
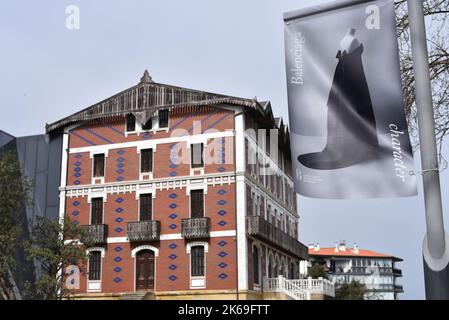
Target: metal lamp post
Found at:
436, 241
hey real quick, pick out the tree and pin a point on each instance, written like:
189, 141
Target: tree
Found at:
317, 271
437, 19
13, 199
350, 291
48, 248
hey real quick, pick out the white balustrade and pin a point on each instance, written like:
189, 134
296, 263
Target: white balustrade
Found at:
299, 289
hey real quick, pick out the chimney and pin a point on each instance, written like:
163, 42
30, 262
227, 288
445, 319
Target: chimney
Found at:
336, 247
342, 246
356, 248
317, 247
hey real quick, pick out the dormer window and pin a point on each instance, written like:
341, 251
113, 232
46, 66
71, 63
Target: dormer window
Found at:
130, 122
163, 118
148, 125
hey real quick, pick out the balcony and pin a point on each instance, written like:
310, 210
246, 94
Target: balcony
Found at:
380, 287
397, 272
143, 230
195, 228
398, 288
259, 228
361, 271
94, 234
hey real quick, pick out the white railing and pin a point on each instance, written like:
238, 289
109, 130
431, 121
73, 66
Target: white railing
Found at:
299, 289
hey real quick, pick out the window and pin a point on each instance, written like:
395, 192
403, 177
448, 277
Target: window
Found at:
130, 122
96, 211
148, 125
146, 202
163, 118
197, 261
197, 204
98, 165
146, 160
197, 155
95, 265
256, 265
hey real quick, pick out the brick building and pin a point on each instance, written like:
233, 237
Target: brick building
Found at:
183, 195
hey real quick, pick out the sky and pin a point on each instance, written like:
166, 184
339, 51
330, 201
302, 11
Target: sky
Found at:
229, 47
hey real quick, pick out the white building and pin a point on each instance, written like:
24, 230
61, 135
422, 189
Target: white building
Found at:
376, 270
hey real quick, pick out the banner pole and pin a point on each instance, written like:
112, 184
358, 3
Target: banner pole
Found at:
435, 250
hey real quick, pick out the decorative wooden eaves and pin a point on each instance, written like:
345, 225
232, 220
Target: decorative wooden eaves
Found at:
147, 97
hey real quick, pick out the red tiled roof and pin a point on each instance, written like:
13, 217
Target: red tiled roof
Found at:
350, 253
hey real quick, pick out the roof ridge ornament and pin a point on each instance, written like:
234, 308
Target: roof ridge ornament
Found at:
146, 78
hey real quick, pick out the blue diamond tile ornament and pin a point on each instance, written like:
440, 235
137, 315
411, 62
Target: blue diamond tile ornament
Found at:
119, 219
222, 276
117, 269
173, 205
223, 265
221, 192
78, 156
222, 254
173, 196
221, 213
120, 171
119, 210
76, 203
118, 249
77, 175
173, 166
173, 267
118, 229
117, 259
120, 152
173, 216
119, 200
75, 213
173, 173
221, 169
77, 169
76, 182
222, 223
172, 278
117, 279
121, 159
78, 163
173, 246
221, 202
172, 226
172, 256
222, 243
120, 165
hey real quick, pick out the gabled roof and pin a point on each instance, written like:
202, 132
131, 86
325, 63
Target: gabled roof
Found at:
145, 98
349, 252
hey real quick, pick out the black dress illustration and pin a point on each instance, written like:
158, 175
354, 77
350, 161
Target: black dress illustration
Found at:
351, 126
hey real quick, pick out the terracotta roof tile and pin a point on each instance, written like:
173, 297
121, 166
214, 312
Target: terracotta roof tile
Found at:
350, 253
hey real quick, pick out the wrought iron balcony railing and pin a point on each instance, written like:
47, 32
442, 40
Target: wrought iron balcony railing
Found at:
195, 228
258, 227
144, 230
94, 234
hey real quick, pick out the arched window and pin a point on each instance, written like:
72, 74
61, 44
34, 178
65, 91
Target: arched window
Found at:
292, 272
256, 272
270, 267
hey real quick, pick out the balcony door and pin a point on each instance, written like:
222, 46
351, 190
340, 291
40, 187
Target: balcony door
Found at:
197, 204
145, 270
96, 216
